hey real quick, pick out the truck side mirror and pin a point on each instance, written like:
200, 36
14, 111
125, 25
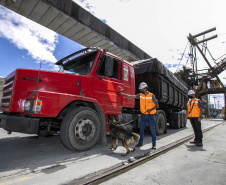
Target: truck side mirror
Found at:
109, 63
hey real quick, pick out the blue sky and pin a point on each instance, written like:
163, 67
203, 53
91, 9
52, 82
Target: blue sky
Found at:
24, 44
21, 59
160, 28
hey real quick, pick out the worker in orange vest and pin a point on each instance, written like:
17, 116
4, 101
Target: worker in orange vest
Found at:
148, 105
194, 113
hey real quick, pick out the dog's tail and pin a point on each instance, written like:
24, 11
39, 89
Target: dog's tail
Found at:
136, 136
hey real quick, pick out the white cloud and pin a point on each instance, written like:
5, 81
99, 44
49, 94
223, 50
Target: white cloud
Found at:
39, 41
160, 28
54, 67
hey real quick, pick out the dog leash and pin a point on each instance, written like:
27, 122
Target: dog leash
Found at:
123, 124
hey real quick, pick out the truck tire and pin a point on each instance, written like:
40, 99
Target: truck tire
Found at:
176, 120
160, 124
177, 124
80, 129
182, 121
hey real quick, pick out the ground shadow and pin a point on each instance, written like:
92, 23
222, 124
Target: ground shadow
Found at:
194, 148
34, 152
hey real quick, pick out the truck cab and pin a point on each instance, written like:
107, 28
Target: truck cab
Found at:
76, 100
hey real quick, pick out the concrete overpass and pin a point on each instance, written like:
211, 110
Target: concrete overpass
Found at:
70, 20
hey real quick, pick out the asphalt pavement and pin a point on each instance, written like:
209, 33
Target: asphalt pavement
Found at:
184, 165
29, 159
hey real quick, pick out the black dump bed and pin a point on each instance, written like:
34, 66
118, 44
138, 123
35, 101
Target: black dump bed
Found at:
170, 91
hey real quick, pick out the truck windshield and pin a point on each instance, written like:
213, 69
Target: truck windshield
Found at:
80, 65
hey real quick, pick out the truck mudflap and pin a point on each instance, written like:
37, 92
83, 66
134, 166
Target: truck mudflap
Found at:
19, 124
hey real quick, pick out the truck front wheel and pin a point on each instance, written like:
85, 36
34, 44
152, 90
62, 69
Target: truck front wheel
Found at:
80, 129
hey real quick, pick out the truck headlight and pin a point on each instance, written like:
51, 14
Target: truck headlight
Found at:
27, 105
33, 106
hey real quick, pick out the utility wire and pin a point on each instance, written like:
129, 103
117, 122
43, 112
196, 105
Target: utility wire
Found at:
187, 62
182, 56
220, 57
211, 55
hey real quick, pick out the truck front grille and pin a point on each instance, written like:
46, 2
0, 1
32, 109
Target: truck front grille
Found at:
7, 93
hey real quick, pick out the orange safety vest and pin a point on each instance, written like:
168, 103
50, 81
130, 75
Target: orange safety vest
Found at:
146, 103
195, 112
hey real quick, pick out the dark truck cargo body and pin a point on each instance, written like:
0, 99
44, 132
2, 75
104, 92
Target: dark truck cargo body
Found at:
170, 91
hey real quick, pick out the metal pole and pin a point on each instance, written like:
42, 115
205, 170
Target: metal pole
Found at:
193, 42
210, 38
214, 101
208, 107
218, 79
202, 33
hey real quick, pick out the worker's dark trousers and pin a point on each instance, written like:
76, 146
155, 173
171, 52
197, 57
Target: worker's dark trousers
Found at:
150, 118
197, 129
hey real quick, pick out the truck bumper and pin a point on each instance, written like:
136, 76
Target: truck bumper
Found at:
19, 124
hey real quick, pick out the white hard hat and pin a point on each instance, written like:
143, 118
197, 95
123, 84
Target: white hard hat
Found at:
190, 92
143, 85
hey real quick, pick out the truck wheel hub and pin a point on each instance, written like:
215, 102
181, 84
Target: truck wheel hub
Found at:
160, 124
84, 129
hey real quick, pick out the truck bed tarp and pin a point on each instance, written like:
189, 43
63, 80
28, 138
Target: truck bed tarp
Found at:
154, 65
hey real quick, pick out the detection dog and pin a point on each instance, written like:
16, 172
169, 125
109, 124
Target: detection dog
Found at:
120, 131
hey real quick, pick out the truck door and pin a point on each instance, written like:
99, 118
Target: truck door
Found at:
108, 83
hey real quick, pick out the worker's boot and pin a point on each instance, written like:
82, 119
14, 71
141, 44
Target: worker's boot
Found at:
154, 147
139, 145
194, 142
199, 144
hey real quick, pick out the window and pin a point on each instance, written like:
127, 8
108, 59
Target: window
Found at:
109, 63
81, 65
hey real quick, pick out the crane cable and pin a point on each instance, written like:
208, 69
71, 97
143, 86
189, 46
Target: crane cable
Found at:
182, 56
207, 50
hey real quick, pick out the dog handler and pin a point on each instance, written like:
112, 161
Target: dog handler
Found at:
148, 105
194, 112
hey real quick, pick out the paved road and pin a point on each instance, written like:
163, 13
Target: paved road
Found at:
185, 165
29, 159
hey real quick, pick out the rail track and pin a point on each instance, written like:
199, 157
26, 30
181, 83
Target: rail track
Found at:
104, 175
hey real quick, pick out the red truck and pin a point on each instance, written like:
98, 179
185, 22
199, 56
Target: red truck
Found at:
76, 100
